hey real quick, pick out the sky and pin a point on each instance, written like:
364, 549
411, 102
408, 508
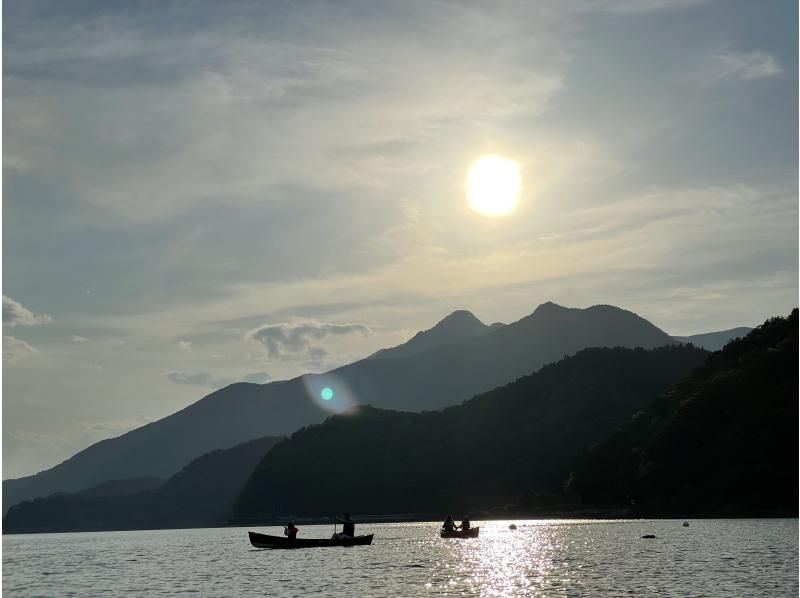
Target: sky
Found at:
196, 193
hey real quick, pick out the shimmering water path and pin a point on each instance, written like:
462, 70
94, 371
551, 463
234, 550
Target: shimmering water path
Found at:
755, 557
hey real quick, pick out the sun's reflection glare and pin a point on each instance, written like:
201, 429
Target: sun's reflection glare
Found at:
505, 562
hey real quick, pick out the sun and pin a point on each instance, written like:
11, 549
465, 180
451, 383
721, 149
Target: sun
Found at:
493, 185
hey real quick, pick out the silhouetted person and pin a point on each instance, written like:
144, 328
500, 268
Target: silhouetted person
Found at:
348, 526
449, 525
465, 525
290, 531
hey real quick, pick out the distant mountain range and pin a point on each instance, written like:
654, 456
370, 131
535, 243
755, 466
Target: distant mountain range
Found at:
714, 341
201, 494
453, 361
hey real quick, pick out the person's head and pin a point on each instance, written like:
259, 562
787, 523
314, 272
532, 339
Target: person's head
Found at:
449, 517
347, 515
291, 524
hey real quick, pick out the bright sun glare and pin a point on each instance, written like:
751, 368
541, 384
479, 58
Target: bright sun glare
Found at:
493, 185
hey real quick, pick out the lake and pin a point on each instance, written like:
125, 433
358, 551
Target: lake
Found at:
743, 557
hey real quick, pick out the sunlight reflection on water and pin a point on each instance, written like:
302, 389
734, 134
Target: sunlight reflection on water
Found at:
540, 558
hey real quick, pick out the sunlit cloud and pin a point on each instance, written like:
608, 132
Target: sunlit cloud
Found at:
16, 314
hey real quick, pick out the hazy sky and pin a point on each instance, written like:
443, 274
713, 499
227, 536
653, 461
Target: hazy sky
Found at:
201, 192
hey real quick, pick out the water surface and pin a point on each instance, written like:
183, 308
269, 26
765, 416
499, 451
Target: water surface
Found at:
751, 557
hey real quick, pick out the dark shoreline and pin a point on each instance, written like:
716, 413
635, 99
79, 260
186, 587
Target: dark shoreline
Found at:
597, 515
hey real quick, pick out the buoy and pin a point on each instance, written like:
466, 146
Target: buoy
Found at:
649, 536
685, 524
512, 526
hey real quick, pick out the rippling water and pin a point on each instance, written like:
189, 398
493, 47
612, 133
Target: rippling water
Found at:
752, 557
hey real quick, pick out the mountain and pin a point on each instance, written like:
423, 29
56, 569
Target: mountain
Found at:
438, 377
721, 443
714, 341
122, 487
201, 494
489, 451
459, 325
223, 419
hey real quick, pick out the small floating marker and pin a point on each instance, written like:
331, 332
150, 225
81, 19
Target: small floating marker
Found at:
512, 526
649, 536
326, 393
685, 524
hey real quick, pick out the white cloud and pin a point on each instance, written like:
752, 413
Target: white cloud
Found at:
79, 339
90, 367
184, 345
15, 349
16, 314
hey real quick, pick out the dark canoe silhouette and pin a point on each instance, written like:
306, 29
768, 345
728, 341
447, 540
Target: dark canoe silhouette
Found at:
458, 533
265, 541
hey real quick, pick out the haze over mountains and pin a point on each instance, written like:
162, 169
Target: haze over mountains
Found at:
455, 360
714, 341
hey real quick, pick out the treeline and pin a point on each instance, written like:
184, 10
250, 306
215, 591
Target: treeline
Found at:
723, 442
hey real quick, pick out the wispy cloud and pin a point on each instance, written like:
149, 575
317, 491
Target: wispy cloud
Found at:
15, 349
197, 379
16, 314
744, 65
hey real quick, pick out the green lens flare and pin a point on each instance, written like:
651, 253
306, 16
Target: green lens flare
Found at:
326, 393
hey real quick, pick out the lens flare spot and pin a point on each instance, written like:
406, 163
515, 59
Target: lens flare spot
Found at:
326, 393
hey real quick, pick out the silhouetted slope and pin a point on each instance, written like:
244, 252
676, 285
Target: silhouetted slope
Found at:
486, 452
201, 494
723, 442
459, 325
223, 419
441, 376
122, 487
714, 341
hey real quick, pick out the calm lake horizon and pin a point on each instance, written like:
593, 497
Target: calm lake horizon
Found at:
710, 557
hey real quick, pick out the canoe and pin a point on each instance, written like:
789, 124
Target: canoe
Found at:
457, 533
265, 541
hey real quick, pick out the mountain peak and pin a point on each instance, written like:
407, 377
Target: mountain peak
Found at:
460, 318
459, 325
548, 307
